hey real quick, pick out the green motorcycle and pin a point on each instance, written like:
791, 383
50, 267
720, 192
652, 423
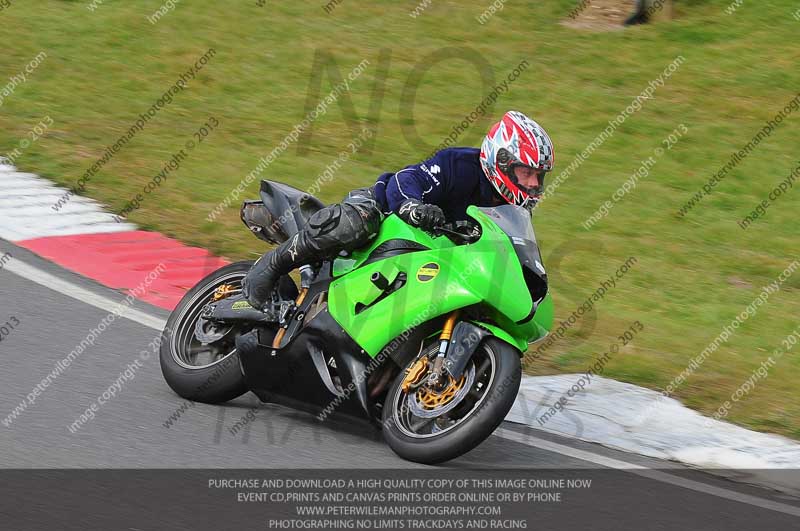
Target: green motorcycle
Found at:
422, 334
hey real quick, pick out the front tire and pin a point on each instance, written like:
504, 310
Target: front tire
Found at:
202, 373
491, 394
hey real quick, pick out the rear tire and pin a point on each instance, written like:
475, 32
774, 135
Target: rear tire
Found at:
476, 425
221, 379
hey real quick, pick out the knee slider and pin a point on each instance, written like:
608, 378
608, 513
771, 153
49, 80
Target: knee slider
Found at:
325, 220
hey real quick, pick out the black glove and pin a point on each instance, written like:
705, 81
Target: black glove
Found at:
422, 215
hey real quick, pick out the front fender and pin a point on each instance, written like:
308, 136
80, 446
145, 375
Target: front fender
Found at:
467, 336
521, 344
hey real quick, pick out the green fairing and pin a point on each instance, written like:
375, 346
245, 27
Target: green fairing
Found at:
486, 271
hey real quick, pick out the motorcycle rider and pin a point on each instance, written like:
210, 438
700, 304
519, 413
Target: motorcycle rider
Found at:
510, 167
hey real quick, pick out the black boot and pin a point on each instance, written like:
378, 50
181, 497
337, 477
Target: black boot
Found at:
259, 282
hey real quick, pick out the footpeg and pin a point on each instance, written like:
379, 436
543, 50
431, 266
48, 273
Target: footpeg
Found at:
380, 281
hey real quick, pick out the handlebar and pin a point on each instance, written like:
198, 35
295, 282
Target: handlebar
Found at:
459, 231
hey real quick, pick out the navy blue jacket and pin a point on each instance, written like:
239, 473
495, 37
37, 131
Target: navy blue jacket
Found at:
452, 179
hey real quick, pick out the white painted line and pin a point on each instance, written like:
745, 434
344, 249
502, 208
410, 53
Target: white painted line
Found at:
583, 455
76, 292
639, 470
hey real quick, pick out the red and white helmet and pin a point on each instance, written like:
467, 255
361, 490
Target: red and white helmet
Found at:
516, 145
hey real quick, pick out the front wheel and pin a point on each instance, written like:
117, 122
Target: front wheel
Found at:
431, 426
203, 371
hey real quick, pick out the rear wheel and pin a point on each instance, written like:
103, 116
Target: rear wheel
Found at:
207, 371
435, 425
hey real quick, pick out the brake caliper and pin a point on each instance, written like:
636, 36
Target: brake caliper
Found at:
222, 291
415, 373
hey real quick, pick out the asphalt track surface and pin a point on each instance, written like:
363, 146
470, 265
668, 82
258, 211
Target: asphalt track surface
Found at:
129, 430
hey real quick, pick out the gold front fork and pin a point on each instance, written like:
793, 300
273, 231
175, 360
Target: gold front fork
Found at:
444, 339
449, 324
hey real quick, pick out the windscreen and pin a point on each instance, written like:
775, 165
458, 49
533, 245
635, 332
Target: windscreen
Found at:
516, 222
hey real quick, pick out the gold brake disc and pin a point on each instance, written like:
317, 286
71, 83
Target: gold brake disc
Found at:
431, 399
